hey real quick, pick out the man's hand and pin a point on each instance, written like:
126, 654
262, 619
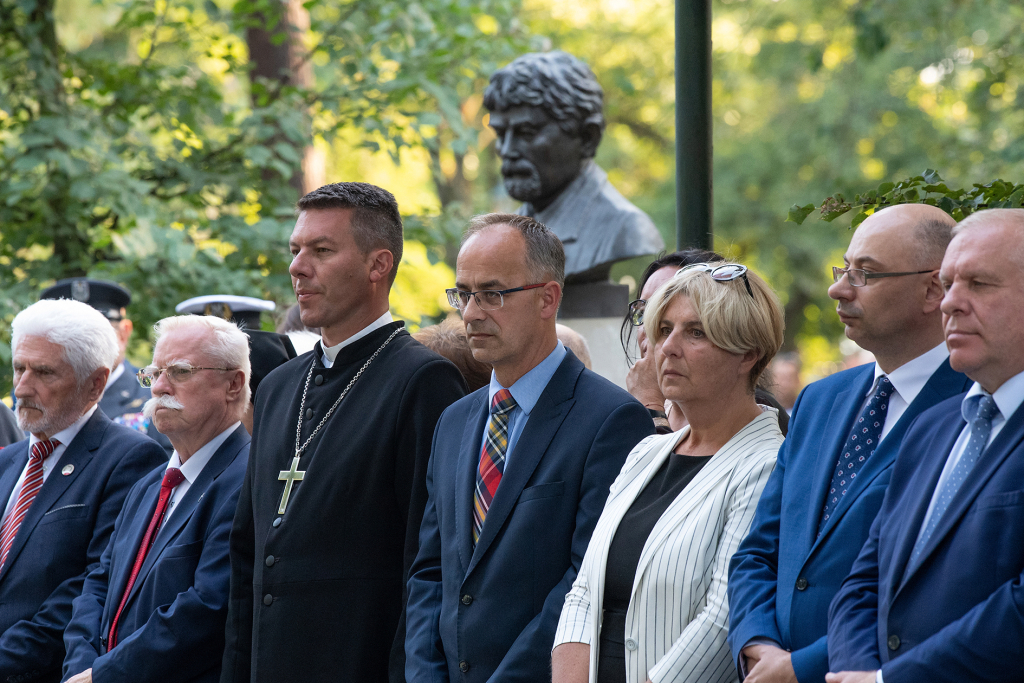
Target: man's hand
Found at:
768, 664
846, 677
84, 677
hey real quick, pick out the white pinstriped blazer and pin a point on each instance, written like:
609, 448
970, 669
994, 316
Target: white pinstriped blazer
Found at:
678, 617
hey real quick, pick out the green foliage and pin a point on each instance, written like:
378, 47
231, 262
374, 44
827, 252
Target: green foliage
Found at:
927, 188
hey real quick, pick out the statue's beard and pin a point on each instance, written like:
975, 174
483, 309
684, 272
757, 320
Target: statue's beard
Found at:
522, 180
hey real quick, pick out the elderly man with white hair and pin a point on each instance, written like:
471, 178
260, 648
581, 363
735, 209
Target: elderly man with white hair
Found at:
62, 488
155, 608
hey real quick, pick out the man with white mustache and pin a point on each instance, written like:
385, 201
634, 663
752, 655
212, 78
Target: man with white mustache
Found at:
63, 487
156, 606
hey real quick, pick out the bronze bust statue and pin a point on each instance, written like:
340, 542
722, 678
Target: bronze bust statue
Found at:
546, 109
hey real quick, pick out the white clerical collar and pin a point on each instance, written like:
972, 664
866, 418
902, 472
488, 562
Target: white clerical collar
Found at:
67, 435
909, 379
331, 352
192, 467
114, 374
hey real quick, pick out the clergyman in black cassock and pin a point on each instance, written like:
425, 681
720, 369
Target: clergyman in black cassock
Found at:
321, 588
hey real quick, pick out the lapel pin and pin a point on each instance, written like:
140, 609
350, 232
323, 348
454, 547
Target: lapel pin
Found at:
68, 469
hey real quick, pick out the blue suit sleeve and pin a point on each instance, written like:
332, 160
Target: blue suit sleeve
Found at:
853, 615
754, 569
624, 428
193, 623
424, 654
38, 643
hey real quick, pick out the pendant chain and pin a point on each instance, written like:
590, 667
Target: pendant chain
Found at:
299, 450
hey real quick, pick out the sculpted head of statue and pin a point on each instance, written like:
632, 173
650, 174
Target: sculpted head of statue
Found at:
546, 109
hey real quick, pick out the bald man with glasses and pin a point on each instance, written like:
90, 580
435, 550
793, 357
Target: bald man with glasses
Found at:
844, 433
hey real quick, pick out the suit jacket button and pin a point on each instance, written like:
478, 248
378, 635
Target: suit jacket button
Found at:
801, 584
309, 413
270, 560
318, 380
466, 599
268, 599
463, 666
894, 642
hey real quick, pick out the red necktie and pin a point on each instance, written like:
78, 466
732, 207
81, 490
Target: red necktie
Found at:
492, 459
41, 450
172, 477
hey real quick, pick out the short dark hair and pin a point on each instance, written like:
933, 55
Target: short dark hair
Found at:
376, 222
545, 257
556, 81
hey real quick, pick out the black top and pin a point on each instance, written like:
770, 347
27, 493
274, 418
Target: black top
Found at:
624, 555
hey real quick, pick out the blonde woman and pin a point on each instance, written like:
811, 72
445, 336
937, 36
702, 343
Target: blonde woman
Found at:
649, 603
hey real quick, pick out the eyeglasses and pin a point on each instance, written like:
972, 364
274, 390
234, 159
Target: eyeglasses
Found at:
176, 373
723, 273
486, 299
859, 277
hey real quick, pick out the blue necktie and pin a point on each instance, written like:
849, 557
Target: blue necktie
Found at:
984, 409
862, 442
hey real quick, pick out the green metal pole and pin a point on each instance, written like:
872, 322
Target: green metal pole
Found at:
693, 124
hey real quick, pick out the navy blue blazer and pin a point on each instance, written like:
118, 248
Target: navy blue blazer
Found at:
957, 616
61, 539
490, 614
172, 627
783, 577
125, 396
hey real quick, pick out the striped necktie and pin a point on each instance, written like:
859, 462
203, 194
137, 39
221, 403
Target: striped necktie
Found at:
40, 451
492, 459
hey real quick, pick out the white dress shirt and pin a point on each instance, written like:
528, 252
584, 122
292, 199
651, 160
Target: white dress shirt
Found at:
65, 436
908, 380
192, 467
331, 352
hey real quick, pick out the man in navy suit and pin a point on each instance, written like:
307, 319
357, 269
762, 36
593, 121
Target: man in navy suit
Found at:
155, 608
501, 545
936, 592
834, 467
63, 487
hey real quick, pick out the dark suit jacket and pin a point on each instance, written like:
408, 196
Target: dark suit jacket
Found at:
957, 616
490, 614
61, 540
783, 577
10, 432
172, 627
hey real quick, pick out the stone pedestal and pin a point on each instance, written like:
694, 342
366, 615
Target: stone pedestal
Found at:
596, 310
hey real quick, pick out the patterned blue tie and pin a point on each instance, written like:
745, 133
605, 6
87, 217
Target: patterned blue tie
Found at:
984, 409
862, 442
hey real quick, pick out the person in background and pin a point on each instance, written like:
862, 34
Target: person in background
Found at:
10, 432
649, 603
62, 488
448, 339
303, 338
785, 375
518, 471
847, 428
123, 398
574, 341
641, 380
936, 592
154, 608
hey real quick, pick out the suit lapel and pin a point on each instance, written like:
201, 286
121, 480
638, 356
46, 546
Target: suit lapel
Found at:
121, 565
17, 457
184, 509
990, 461
845, 409
77, 454
944, 383
465, 475
545, 419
